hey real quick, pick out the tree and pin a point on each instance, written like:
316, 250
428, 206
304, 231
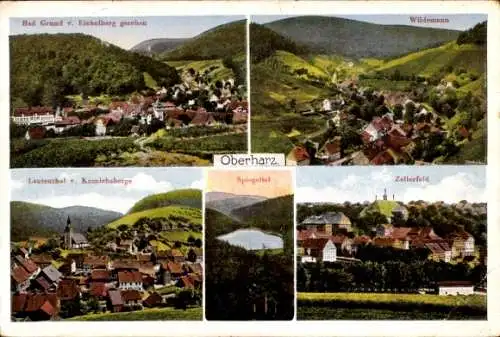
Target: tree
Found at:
123, 228
93, 305
410, 110
398, 111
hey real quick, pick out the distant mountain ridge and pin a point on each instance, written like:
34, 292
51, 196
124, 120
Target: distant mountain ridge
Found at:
358, 39
225, 203
29, 219
157, 46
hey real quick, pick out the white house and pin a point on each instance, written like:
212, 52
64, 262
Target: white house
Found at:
319, 250
327, 105
130, 280
100, 126
455, 288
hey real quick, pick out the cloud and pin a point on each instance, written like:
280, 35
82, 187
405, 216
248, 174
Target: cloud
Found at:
382, 175
68, 176
198, 184
16, 184
460, 186
112, 203
357, 188
147, 183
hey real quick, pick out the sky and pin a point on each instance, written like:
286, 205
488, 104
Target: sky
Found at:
358, 184
115, 197
266, 183
456, 21
128, 36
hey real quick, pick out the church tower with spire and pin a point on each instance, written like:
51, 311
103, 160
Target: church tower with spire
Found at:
68, 234
385, 194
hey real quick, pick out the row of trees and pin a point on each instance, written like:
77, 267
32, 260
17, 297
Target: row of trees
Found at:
387, 276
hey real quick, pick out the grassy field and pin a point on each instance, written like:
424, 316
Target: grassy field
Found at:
218, 72
271, 135
181, 236
430, 61
389, 306
192, 215
382, 206
155, 314
313, 313
186, 197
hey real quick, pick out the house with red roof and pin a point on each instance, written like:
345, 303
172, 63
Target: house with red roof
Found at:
130, 280
20, 279
131, 298
68, 290
34, 115
377, 128
322, 250
38, 307
35, 132
298, 156
153, 300
171, 272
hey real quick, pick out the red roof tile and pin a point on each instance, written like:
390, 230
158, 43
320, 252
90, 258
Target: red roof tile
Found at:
131, 295
100, 274
98, 289
18, 302
129, 277
68, 289
174, 268
315, 243
19, 274
300, 153
187, 282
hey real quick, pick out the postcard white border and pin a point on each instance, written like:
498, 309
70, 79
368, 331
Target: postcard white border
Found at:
297, 328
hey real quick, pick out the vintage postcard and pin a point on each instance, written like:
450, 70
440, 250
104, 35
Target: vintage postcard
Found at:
106, 245
370, 89
249, 245
126, 91
400, 243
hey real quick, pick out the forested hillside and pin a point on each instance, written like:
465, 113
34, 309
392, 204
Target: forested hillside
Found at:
29, 219
46, 67
331, 35
220, 42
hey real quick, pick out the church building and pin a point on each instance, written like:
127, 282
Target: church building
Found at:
73, 240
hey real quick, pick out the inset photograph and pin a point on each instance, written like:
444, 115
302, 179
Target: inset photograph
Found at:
249, 218
399, 243
370, 89
127, 91
106, 245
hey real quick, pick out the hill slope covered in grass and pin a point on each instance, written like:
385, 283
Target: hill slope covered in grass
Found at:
184, 214
29, 219
65, 64
331, 35
183, 197
431, 61
222, 41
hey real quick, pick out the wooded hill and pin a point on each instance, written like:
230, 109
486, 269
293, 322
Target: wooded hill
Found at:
352, 38
46, 67
223, 41
29, 219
